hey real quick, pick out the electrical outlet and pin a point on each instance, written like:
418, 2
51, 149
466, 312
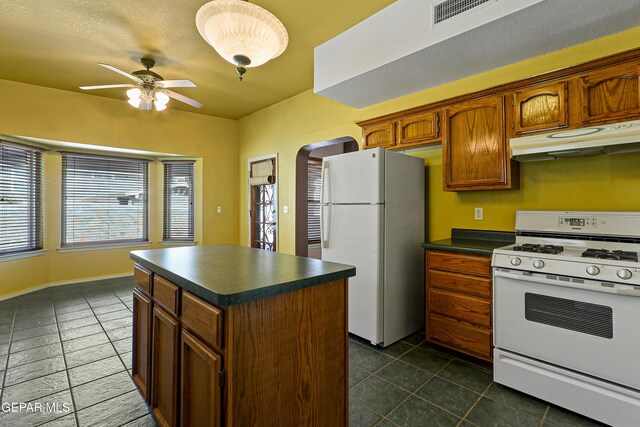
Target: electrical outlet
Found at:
219, 209
285, 209
478, 214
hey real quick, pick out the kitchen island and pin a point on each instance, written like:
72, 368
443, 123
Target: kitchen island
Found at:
235, 336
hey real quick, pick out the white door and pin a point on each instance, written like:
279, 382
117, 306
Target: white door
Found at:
352, 234
356, 177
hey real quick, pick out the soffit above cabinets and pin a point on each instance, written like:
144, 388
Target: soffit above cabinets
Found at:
399, 50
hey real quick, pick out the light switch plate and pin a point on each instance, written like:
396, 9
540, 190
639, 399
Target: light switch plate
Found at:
219, 209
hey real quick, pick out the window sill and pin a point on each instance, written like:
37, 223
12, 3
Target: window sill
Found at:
20, 255
177, 243
102, 247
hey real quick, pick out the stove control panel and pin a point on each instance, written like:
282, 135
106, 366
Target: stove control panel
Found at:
624, 274
577, 222
593, 270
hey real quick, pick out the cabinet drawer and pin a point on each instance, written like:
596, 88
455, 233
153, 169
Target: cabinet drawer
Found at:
166, 294
462, 336
202, 318
142, 278
460, 263
459, 282
461, 306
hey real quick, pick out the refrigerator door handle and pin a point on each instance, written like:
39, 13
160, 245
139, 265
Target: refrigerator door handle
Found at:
325, 196
325, 225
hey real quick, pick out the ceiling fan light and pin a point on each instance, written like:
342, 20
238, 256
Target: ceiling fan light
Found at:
134, 93
161, 98
159, 106
237, 27
135, 102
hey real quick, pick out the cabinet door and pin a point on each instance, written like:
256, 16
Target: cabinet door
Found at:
540, 108
379, 135
141, 367
419, 128
474, 148
164, 384
611, 94
201, 390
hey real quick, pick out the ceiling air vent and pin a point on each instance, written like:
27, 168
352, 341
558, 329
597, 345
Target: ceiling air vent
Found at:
450, 8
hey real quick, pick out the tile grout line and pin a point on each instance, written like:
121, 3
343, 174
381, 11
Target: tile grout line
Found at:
6, 363
64, 358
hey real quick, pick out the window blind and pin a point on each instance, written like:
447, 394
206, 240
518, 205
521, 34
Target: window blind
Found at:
313, 208
104, 199
20, 198
178, 201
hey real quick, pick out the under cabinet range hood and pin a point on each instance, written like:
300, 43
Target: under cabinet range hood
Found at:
605, 139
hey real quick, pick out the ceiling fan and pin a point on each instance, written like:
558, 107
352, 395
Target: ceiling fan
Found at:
151, 89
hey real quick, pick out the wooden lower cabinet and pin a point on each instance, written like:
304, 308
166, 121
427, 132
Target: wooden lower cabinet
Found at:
141, 366
200, 388
165, 359
279, 361
458, 302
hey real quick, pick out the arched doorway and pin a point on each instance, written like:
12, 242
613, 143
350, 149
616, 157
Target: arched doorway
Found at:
313, 151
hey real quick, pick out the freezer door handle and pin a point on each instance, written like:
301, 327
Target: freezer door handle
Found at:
325, 196
325, 225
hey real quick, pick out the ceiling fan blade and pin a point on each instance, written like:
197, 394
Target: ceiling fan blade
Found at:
119, 71
105, 86
176, 83
184, 99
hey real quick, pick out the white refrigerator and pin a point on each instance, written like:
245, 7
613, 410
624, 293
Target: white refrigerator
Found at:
373, 218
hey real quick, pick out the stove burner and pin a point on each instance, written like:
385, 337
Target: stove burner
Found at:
541, 249
606, 254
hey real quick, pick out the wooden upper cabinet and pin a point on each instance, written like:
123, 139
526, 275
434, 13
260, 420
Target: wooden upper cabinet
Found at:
611, 94
540, 108
474, 147
418, 128
379, 135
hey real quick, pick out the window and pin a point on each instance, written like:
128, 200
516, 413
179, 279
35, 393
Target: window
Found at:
178, 201
262, 179
104, 199
20, 198
313, 200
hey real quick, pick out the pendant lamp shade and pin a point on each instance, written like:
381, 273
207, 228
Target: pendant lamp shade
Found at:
243, 33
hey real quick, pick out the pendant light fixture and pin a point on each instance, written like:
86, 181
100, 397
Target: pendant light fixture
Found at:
243, 33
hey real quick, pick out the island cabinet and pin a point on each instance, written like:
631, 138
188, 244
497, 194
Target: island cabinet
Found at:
610, 94
458, 302
270, 354
474, 148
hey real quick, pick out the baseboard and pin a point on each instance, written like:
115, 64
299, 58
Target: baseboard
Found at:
62, 283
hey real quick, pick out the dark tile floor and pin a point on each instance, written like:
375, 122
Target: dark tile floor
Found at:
412, 383
72, 345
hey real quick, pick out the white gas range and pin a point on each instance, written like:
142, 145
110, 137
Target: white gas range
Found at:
566, 312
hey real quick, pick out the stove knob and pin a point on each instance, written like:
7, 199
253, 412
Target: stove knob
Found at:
538, 263
515, 261
624, 274
593, 270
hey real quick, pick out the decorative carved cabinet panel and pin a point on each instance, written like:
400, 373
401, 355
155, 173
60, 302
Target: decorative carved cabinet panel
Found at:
474, 146
611, 94
540, 108
380, 135
418, 128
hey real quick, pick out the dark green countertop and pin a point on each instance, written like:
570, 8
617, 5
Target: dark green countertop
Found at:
228, 275
479, 242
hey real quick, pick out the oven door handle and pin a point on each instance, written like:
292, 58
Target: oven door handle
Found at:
624, 290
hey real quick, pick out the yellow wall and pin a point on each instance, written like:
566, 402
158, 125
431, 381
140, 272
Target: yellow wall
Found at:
40, 112
604, 182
